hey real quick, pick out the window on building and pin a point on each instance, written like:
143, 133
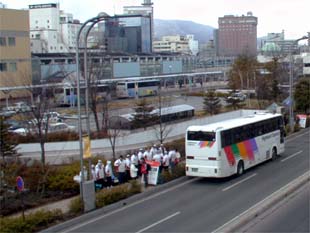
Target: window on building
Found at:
2, 41
11, 41
38, 36
3, 67
12, 67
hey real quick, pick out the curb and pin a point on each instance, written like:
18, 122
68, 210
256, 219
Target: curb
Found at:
105, 210
258, 209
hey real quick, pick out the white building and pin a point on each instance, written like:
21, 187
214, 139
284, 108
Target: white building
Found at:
193, 44
52, 30
177, 44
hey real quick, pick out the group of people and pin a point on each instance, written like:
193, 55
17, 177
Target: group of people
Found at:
135, 165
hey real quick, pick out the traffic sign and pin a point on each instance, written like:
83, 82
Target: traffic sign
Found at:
20, 183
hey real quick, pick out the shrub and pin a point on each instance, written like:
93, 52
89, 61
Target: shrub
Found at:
109, 196
176, 172
61, 178
76, 206
33, 222
296, 127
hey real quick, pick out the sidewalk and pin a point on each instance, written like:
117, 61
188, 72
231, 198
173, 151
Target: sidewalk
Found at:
63, 205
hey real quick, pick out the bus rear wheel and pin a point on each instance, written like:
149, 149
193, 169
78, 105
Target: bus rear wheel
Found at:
274, 154
240, 168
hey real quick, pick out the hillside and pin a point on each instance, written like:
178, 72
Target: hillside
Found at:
202, 33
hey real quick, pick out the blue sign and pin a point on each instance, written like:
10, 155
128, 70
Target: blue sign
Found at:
20, 183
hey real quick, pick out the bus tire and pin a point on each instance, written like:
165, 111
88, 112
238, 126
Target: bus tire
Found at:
240, 168
274, 153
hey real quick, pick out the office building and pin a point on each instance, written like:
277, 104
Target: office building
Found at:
237, 35
176, 44
15, 59
128, 34
146, 9
52, 30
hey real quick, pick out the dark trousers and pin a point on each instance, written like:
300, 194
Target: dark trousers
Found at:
121, 177
109, 181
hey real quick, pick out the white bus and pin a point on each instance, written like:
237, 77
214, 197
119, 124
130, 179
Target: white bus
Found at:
67, 95
229, 147
140, 88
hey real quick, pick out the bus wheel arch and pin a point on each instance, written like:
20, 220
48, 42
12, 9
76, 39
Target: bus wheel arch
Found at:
274, 153
240, 168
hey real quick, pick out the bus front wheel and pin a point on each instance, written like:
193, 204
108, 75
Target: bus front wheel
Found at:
240, 168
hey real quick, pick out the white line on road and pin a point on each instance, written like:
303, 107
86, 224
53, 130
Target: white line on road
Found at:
158, 222
74, 228
239, 182
293, 137
291, 156
246, 213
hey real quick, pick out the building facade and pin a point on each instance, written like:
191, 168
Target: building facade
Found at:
146, 9
176, 44
237, 35
15, 59
127, 34
52, 30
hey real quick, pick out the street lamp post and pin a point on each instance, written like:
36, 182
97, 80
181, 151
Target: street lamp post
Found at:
93, 21
291, 83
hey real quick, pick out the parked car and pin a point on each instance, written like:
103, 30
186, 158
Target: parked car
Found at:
52, 117
22, 107
60, 127
21, 131
237, 96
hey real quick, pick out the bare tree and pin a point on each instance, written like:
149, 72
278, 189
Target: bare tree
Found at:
113, 134
162, 129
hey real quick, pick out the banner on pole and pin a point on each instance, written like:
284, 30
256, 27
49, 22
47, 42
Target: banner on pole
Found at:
87, 147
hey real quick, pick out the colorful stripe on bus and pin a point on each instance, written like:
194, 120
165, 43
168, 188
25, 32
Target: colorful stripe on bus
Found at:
246, 150
203, 144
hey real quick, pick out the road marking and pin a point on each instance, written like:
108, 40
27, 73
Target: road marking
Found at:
239, 182
130, 205
291, 156
158, 222
221, 228
298, 136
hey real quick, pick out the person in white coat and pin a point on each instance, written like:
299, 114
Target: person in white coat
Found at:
133, 171
99, 169
121, 168
108, 173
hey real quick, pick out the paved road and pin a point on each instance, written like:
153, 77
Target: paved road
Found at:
204, 205
290, 215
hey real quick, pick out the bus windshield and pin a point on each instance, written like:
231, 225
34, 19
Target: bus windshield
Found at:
200, 136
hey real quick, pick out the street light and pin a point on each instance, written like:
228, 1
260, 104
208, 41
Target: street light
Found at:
93, 21
291, 83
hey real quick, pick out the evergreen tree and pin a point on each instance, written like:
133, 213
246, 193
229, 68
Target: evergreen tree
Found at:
302, 96
211, 103
143, 116
7, 145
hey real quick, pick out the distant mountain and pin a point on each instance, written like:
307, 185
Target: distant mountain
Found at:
203, 33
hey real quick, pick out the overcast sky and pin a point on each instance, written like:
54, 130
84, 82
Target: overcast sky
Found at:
292, 16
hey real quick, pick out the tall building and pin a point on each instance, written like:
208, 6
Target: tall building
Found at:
128, 34
146, 9
237, 35
52, 30
15, 59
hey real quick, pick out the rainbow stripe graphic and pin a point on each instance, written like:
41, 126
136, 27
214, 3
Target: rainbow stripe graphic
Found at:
203, 144
245, 150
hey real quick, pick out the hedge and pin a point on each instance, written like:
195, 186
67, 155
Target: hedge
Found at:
33, 222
